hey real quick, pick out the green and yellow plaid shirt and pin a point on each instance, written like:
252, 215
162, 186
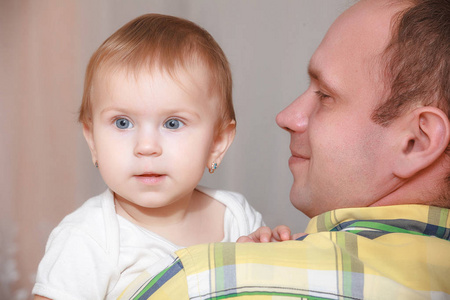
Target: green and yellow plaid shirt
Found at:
392, 252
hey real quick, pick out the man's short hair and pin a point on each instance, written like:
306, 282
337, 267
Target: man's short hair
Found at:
417, 62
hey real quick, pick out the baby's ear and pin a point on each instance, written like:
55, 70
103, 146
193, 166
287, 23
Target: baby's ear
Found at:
424, 138
222, 141
88, 135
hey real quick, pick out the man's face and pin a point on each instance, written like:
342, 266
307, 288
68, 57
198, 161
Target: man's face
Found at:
340, 157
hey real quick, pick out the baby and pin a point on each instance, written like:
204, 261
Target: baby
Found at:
157, 109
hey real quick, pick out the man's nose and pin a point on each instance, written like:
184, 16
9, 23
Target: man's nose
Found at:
148, 144
295, 117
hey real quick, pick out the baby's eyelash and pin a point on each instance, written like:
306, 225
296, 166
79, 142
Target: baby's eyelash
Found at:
115, 118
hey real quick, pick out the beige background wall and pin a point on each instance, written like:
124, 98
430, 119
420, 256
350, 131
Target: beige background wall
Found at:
46, 171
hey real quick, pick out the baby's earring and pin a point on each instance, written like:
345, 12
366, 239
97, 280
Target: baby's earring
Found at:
213, 167
96, 164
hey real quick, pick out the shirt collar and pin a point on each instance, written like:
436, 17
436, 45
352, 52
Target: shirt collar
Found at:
373, 222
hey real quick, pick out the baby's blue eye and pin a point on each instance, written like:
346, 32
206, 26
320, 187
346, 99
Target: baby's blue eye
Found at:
123, 124
173, 124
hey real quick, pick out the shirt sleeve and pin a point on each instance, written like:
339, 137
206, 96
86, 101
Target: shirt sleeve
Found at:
240, 217
75, 266
253, 217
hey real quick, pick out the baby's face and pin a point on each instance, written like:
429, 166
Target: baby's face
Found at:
152, 135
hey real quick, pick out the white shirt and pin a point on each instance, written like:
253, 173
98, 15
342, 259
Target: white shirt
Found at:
94, 253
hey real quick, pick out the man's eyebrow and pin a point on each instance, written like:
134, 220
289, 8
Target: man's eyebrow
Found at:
312, 73
326, 84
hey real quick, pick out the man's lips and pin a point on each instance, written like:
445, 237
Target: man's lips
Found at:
297, 158
299, 155
296, 154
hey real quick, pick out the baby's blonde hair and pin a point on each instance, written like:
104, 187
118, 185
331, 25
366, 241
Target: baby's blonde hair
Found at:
166, 42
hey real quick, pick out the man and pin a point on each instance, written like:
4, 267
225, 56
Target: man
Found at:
369, 142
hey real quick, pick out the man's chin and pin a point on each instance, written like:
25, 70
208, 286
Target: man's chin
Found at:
301, 201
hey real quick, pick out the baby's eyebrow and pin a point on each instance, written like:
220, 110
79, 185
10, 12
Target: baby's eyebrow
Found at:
169, 111
114, 109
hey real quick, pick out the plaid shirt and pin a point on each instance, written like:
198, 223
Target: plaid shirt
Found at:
392, 252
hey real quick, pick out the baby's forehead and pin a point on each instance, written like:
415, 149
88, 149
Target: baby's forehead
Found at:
155, 93
115, 81
191, 78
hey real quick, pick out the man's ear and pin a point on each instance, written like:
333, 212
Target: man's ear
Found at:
88, 135
424, 137
223, 140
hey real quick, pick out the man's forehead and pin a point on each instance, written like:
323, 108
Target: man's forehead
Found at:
361, 33
378, 14
348, 60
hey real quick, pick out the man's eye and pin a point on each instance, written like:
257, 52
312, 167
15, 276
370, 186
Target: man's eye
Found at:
123, 124
173, 124
321, 95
